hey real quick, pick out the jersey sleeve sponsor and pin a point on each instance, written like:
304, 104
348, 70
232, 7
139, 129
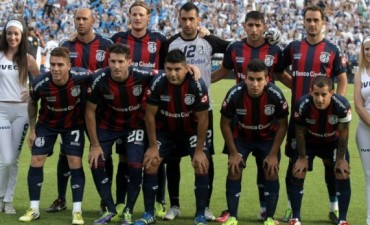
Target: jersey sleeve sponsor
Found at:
228, 108
201, 95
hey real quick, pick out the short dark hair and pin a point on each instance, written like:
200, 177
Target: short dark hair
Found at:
175, 56
120, 48
314, 8
256, 15
142, 4
187, 7
60, 52
256, 65
322, 81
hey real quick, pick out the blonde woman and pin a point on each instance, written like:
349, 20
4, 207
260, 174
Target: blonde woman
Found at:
362, 106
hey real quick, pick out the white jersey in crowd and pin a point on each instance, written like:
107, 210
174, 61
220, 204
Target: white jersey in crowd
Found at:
10, 88
50, 45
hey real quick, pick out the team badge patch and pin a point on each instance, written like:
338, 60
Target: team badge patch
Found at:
189, 99
119, 141
100, 55
75, 91
40, 142
269, 109
200, 50
269, 60
137, 90
332, 119
152, 47
324, 57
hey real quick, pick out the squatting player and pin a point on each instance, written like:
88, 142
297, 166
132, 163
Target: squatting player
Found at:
249, 113
198, 51
322, 128
114, 113
312, 56
236, 58
176, 115
61, 93
90, 51
144, 46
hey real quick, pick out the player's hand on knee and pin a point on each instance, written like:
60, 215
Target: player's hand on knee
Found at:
151, 158
200, 162
271, 165
300, 168
235, 162
95, 153
342, 169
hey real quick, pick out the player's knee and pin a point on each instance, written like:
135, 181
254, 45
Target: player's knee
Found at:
74, 162
38, 160
271, 177
234, 175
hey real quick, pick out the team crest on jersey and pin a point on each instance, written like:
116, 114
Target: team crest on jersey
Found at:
189, 99
269, 109
200, 50
324, 57
152, 47
332, 119
40, 142
75, 91
269, 60
100, 55
137, 90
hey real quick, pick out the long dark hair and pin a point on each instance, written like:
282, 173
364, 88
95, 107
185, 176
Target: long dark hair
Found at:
20, 57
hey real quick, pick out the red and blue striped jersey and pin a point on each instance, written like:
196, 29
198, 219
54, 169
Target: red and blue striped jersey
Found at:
119, 104
61, 107
308, 61
144, 50
92, 56
322, 125
240, 53
254, 117
177, 104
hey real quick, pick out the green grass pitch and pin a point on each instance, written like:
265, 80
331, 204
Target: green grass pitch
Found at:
315, 201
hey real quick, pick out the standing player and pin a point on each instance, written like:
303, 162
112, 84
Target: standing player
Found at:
237, 57
89, 50
145, 46
198, 51
310, 57
322, 128
62, 95
116, 92
254, 106
176, 115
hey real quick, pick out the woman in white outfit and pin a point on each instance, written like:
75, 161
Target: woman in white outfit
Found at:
362, 105
15, 63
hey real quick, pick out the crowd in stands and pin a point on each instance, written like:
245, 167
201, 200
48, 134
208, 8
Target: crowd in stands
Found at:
347, 21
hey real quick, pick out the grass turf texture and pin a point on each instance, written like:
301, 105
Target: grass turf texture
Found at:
315, 202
